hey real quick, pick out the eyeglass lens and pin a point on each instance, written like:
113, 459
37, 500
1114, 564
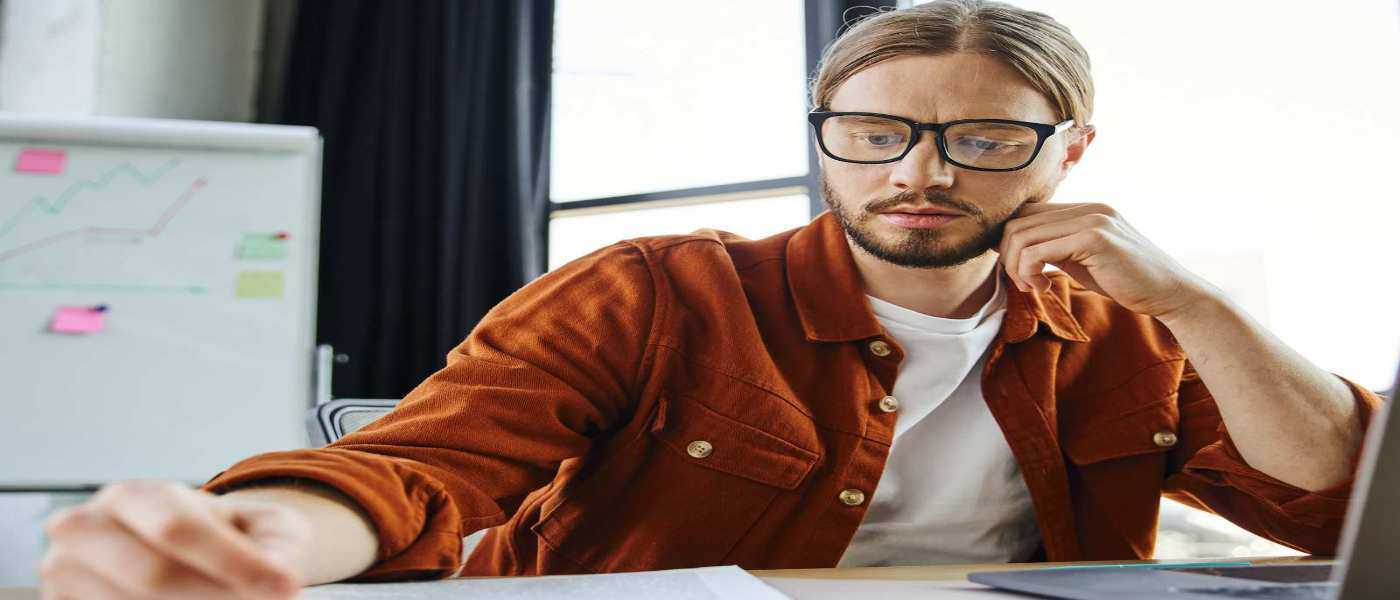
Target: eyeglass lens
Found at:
977, 144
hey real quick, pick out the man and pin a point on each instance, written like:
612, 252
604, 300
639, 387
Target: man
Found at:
897, 382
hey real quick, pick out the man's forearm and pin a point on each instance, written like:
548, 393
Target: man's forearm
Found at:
1289, 418
343, 540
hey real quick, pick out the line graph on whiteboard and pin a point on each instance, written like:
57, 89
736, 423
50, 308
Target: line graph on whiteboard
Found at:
97, 233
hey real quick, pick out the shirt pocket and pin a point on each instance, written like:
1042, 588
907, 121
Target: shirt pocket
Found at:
683, 495
1144, 431
1119, 463
1134, 423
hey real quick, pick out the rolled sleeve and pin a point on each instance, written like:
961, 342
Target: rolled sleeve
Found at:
413, 516
1215, 477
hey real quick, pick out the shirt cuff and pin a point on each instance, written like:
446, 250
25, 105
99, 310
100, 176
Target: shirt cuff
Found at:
417, 524
1222, 463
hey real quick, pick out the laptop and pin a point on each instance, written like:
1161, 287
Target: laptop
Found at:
1367, 566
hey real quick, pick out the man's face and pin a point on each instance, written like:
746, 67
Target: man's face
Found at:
870, 200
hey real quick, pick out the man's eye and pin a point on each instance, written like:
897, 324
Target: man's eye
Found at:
881, 140
983, 144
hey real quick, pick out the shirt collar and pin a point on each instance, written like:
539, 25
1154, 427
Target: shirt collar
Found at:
830, 296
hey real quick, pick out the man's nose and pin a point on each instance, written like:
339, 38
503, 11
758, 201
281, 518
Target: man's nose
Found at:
923, 167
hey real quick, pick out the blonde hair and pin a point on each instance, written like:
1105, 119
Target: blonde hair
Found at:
1033, 43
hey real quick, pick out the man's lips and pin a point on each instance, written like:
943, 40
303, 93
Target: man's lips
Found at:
922, 211
919, 220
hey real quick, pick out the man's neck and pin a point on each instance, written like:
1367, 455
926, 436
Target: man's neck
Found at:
950, 292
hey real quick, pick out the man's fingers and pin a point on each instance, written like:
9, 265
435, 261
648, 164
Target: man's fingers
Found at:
1030, 216
1014, 243
181, 524
1034, 214
118, 556
1035, 258
1029, 209
62, 577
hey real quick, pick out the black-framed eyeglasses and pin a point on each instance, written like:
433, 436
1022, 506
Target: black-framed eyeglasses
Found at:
976, 144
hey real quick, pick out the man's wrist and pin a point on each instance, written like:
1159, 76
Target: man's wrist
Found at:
345, 538
1200, 302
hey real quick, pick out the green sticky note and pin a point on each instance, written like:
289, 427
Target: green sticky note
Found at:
259, 284
261, 246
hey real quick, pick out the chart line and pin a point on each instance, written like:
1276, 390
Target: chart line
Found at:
153, 231
98, 183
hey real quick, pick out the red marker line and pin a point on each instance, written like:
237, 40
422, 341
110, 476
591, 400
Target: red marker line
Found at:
153, 232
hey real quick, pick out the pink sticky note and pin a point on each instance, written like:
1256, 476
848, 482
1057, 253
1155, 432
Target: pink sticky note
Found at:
78, 319
40, 160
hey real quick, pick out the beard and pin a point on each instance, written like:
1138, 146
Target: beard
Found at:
918, 248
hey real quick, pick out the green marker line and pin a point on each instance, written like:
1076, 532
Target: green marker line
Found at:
105, 287
100, 182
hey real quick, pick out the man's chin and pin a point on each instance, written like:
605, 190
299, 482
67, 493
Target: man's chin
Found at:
926, 260
941, 247
919, 251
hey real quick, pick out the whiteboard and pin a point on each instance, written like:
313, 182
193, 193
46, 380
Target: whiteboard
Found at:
199, 241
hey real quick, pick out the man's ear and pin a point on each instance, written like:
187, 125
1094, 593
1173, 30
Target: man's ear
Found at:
1080, 141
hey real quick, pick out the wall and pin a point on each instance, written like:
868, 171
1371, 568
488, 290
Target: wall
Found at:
48, 56
188, 59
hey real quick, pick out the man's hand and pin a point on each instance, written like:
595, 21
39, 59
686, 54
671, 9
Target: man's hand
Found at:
1100, 250
149, 539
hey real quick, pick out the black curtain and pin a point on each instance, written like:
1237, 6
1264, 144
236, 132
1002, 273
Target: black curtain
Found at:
434, 193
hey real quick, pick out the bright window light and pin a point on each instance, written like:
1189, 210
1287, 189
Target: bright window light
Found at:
1255, 141
653, 96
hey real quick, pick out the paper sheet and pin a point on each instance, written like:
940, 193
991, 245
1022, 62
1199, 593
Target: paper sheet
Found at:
884, 589
22, 516
710, 583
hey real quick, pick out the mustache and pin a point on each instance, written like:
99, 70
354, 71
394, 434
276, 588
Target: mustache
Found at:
928, 197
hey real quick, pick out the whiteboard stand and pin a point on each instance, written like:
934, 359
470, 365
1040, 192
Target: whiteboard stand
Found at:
321, 374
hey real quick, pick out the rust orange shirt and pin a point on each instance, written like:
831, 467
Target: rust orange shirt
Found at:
704, 399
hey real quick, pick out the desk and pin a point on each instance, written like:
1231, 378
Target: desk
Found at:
929, 573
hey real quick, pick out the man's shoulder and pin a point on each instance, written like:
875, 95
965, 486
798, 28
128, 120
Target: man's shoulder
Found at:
713, 245
702, 254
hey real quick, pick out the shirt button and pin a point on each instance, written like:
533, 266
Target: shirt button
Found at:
852, 497
1164, 439
880, 348
889, 404
699, 449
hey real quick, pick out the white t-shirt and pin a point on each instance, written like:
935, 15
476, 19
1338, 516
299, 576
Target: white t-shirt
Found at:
951, 491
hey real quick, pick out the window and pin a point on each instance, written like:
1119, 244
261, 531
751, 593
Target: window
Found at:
672, 117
